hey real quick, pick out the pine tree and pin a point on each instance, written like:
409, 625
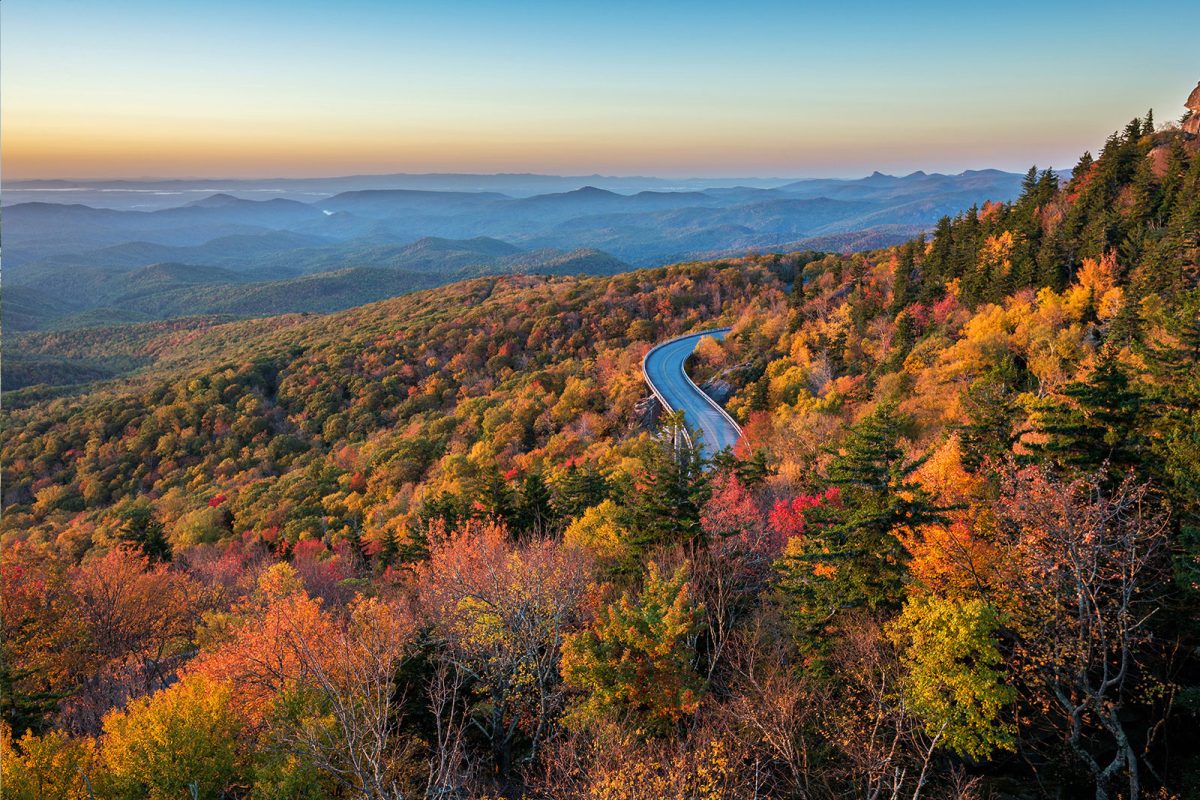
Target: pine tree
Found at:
902, 277
535, 513
1097, 422
578, 490
665, 507
852, 556
140, 528
903, 339
990, 414
497, 499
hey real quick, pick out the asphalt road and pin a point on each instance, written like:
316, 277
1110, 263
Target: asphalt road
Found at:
663, 369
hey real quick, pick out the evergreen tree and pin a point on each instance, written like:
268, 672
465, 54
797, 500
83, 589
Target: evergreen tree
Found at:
1082, 168
497, 499
760, 392
22, 709
990, 414
903, 339
140, 528
444, 508
535, 512
578, 490
672, 490
797, 297
902, 277
1096, 423
935, 269
852, 555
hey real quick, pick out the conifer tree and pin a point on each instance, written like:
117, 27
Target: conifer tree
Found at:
140, 528
902, 277
665, 506
936, 266
990, 414
853, 557
535, 512
578, 490
1097, 422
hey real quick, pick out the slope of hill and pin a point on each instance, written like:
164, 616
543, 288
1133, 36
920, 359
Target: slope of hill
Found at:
249, 278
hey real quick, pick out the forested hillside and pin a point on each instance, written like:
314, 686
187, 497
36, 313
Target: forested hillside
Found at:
438, 546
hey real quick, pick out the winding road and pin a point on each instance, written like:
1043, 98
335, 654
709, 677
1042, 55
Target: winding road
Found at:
664, 373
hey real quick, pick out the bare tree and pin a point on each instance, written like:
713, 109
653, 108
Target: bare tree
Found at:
449, 773
1082, 576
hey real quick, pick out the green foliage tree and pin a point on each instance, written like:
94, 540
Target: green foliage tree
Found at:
578, 489
634, 665
853, 556
666, 503
954, 677
140, 528
1097, 423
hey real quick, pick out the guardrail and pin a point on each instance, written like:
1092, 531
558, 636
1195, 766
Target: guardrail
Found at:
663, 400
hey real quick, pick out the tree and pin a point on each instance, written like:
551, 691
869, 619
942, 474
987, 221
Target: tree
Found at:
578, 489
902, 277
179, 740
634, 664
137, 620
535, 511
140, 528
501, 612
1097, 423
343, 716
599, 531
853, 556
669, 494
319, 687
49, 767
40, 650
954, 678
989, 414
1085, 564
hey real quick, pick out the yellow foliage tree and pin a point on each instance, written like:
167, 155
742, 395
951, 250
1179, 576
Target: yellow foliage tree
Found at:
50, 767
599, 532
181, 740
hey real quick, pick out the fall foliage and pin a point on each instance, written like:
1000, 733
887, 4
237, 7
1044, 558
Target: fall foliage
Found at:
441, 545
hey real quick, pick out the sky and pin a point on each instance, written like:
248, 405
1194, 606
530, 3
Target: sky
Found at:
282, 88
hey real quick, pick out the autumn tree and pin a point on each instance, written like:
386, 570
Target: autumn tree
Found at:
137, 622
181, 740
501, 612
634, 664
954, 679
53, 766
1085, 565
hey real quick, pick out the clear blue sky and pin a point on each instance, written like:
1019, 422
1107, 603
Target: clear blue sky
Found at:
137, 88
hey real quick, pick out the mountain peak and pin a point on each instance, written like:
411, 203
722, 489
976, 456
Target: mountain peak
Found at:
592, 191
218, 200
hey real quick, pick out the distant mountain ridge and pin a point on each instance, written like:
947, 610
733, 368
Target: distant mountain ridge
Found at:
70, 262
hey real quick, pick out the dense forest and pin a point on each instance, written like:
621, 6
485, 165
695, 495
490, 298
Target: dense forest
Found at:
441, 546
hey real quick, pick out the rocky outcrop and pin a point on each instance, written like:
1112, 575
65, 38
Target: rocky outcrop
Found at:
646, 413
1192, 123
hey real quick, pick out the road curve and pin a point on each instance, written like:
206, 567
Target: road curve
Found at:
663, 369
